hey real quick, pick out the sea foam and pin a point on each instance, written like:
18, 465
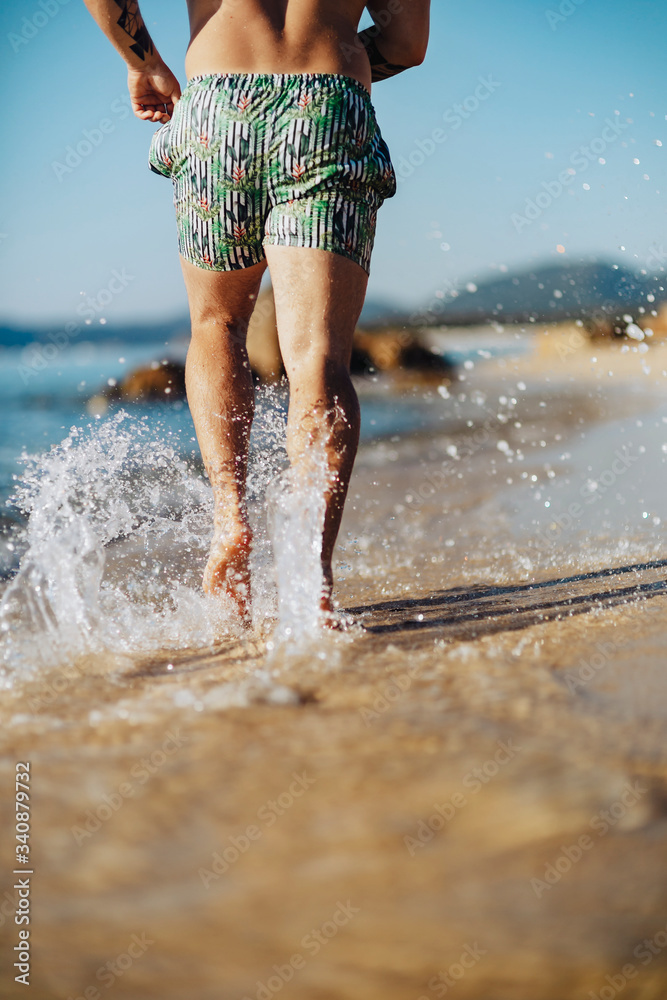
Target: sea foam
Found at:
118, 528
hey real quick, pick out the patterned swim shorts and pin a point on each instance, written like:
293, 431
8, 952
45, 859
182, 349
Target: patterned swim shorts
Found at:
279, 159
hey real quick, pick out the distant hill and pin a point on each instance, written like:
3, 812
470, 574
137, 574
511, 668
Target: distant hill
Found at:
555, 291
380, 311
376, 312
550, 292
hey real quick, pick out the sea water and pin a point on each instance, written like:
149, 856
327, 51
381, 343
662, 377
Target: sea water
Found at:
108, 518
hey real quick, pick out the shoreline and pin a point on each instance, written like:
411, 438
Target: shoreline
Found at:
485, 763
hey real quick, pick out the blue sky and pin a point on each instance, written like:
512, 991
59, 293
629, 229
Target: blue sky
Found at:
517, 92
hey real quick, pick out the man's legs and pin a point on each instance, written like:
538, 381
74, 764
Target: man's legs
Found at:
221, 397
319, 296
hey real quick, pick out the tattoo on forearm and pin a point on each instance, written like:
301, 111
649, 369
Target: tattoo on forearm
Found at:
132, 24
380, 68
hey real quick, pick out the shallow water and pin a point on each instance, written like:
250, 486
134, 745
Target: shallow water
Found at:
404, 789
38, 410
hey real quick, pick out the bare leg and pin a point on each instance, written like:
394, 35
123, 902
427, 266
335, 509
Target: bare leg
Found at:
222, 399
319, 296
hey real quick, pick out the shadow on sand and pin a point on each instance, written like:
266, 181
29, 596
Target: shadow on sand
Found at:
460, 614
464, 614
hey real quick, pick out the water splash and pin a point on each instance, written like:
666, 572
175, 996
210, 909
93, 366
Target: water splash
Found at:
296, 522
101, 499
119, 525
296, 504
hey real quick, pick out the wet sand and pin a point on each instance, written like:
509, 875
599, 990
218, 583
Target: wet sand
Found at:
466, 793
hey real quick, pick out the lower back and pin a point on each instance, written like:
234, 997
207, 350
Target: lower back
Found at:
276, 36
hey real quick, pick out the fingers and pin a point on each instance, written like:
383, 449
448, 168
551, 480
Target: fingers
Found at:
158, 118
152, 112
153, 94
153, 116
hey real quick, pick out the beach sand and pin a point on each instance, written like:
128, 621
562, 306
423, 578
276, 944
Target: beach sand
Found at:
468, 796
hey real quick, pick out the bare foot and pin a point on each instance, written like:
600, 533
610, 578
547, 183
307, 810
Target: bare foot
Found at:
326, 600
227, 569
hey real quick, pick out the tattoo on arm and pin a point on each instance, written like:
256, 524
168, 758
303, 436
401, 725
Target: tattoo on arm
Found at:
380, 68
132, 24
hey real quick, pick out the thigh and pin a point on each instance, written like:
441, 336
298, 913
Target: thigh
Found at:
319, 296
213, 149
224, 298
330, 170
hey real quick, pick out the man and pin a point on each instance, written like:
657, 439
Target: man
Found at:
277, 160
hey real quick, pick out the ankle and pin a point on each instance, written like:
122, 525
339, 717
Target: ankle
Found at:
326, 600
236, 530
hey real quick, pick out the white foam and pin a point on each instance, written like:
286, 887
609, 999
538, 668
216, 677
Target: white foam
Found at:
117, 536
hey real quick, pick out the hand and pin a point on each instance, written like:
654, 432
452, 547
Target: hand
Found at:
153, 92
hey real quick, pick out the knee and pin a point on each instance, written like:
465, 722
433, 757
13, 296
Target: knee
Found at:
218, 329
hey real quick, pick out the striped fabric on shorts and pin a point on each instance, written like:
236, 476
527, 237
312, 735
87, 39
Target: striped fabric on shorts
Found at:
279, 159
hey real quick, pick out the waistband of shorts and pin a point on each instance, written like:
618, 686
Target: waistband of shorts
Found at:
277, 81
